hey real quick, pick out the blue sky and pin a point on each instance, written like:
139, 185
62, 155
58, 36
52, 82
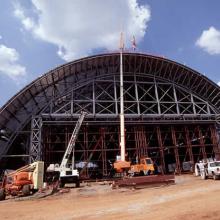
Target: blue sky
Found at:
37, 35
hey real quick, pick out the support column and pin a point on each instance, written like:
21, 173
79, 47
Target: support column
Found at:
214, 140
202, 143
137, 142
35, 145
104, 159
178, 167
161, 147
85, 153
144, 146
189, 144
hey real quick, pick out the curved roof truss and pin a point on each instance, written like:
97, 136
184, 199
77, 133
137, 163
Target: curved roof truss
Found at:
154, 86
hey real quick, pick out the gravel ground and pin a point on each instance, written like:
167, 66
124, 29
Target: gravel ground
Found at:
190, 198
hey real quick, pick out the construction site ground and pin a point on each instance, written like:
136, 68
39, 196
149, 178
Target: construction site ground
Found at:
190, 198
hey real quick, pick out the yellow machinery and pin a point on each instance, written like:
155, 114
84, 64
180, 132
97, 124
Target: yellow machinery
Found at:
145, 167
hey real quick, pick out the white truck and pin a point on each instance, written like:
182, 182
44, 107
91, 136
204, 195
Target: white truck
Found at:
68, 174
208, 168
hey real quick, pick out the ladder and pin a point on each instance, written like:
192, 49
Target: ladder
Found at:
72, 142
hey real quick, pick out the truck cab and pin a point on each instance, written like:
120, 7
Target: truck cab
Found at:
145, 167
213, 169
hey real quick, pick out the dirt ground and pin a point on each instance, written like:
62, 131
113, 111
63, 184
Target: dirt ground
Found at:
190, 198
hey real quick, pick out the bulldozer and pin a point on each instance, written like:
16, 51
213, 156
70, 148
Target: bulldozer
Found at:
23, 181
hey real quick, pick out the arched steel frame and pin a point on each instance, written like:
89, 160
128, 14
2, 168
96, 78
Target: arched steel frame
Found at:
157, 91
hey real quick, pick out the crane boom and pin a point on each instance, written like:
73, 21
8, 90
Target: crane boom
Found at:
72, 141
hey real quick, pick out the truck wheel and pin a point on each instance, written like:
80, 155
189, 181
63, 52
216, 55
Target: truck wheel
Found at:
77, 184
142, 173
132, 174
26, 190
215, 177
2, 194
61, 184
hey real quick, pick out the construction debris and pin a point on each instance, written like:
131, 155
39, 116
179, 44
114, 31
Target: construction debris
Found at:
141, 181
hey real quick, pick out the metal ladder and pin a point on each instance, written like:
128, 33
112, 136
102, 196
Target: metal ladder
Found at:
72, 141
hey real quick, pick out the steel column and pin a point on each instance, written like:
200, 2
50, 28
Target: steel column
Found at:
201, 141
189, 144
161, 149
35, 145
178, 166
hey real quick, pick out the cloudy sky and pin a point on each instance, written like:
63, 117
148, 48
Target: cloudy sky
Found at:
38, 35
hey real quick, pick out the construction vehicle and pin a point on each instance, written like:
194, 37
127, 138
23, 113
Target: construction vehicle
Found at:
66, 173
208, 168
121, 166
145, 167
23, 181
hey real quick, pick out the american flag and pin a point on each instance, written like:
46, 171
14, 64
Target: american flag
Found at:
133, 43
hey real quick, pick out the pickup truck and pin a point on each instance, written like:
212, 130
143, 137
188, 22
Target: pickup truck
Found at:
210, 169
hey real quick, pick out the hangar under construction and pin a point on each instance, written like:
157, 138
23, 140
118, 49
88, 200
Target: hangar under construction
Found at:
171, 114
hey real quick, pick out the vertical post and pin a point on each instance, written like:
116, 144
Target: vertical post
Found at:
145, 144
103, 150
178, 167
201, 142
85, 151
122, 117
35, 145
189, 144
137, 142
161, 148
215, 142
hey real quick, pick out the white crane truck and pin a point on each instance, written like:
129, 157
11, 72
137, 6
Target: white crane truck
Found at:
68, 174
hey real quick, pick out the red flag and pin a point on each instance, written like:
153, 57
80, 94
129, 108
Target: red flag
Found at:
133, 43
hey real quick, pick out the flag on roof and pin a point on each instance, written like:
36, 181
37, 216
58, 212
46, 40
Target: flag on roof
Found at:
133, 43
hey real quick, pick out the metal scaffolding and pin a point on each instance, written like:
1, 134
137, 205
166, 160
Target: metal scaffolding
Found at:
165, 144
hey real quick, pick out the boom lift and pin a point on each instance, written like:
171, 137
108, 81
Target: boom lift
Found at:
68, 174
23, 181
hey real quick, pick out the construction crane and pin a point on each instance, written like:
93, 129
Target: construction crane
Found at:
68, 174
121, 165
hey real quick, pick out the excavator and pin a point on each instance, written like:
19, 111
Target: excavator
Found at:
23, 181
68, 174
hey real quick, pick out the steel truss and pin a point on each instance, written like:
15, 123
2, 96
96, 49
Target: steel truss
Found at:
143, 96
35, 144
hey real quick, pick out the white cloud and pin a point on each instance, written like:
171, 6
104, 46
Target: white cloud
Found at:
8, 63
210, 41
79, 27
27, 22
218, 83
